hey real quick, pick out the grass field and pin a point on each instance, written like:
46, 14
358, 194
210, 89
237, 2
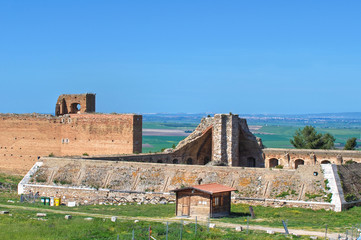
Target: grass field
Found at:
23, 223
159, 142
307, 219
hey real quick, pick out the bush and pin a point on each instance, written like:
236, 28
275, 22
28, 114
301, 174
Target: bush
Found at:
350, 197
350, 162
279, 166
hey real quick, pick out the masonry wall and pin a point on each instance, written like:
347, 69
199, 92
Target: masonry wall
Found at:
103, 177
288, 157
25, 138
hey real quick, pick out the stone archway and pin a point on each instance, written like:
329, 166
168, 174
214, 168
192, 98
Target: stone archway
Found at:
325, 162
75, 107
273, 162
299, 162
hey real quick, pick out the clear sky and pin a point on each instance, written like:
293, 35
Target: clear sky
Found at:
182, 56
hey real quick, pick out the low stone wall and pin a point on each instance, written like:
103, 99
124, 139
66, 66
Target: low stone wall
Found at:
92, 181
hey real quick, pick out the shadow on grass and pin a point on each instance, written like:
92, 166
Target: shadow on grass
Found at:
239, 214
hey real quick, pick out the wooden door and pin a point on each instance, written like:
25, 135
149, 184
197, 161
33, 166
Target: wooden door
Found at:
185, 205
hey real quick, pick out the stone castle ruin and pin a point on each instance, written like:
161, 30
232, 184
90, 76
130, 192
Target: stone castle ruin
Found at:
92, 158
74, 130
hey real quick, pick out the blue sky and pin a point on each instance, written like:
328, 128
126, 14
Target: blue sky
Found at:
182, 56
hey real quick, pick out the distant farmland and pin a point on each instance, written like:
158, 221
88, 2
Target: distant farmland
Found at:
273, 136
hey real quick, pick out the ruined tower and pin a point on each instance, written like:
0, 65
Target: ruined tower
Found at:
75, 103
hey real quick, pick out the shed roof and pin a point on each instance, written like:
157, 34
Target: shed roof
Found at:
210, 188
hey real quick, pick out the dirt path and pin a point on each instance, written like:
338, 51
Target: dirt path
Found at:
175, 219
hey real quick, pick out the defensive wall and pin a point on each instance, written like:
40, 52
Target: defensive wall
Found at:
94, 181
25, 138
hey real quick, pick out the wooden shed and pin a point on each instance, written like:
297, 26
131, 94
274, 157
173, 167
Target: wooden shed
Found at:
213, 200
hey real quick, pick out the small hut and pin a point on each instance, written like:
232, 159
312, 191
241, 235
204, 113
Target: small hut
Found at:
213, 200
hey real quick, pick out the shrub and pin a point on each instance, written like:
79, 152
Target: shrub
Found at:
350, 197
85, 154
279, 166
51, 155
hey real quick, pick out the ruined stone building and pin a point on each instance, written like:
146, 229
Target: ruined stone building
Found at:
75, 130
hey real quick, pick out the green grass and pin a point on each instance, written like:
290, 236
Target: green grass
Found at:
23, 224
280, 135
160, 142
297, 217
10, 181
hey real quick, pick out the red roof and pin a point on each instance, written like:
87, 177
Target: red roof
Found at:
210, 188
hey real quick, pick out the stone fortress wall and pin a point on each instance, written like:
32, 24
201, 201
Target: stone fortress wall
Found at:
25, 138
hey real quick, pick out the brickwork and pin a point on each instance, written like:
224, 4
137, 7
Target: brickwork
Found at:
25, 138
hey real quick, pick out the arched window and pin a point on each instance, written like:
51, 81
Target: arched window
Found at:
175, 161
189, 161
299, 162
273, 162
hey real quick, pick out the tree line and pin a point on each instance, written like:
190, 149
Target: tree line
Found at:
309, 138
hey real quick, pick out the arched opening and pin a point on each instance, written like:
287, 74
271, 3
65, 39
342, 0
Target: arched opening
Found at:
325, 162
273, 162
206, 160
299, 162
75, 108
175, 161
251, 162
189, 161
159, 161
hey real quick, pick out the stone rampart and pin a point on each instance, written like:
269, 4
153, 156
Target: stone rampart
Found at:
86, 180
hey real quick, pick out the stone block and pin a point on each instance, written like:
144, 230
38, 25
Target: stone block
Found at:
4, 212
88, 219
67, 217
270, 232
41, 214
212, 225
239, 229
113, 219
71, 204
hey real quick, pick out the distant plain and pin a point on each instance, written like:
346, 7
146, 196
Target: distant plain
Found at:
164, 131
